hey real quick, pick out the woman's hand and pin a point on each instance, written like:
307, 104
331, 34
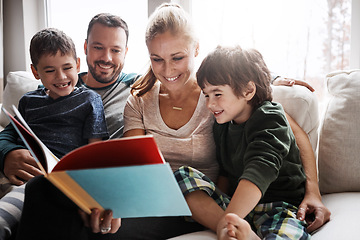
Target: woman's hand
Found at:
106, 224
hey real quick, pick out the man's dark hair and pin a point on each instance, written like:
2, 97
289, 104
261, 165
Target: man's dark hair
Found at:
108, 20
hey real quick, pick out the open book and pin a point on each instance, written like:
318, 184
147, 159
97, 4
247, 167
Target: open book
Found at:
127, 175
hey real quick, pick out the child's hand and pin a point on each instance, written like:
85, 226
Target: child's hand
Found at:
222, 231
231, 227
225, 231
20, 166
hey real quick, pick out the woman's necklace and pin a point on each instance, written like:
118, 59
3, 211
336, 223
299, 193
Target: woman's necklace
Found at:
176, 108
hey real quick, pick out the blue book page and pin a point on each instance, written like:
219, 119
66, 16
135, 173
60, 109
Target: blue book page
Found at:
134, 191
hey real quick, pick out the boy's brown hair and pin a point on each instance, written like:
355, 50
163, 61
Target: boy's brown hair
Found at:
236, 67
48, 42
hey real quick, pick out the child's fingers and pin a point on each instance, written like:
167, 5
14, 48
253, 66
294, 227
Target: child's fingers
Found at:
231, 230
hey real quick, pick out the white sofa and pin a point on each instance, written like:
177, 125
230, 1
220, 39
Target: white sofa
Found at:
335, 138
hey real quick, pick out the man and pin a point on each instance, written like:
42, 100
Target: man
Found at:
105, 48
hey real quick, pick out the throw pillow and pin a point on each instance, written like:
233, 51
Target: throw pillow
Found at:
339, 138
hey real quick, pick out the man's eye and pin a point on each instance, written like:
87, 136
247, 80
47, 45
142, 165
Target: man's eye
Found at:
178, 58
116, 51
49, 71
68, 68
217, 94
97, 47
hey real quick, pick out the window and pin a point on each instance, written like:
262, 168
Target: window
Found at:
293, 36
298, 39
73, 18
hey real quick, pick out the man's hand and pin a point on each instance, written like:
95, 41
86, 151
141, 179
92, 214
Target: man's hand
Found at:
289, 82
105, 225
314, 212
20, 166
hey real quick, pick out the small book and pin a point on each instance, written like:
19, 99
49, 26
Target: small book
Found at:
128, 175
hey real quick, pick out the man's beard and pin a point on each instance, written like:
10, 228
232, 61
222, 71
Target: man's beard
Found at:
99, 78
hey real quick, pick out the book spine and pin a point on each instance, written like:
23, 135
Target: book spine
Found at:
74, 191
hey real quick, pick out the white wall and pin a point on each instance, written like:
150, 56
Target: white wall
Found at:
1, 42
153, 4
21, 20
1, 51
355, 35
14, 47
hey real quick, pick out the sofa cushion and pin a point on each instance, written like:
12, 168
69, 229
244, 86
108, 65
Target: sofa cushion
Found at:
339, 137
343, 222
18, 83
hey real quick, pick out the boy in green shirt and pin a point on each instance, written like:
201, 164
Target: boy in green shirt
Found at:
260, 165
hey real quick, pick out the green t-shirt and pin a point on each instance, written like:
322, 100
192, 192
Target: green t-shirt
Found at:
262, 150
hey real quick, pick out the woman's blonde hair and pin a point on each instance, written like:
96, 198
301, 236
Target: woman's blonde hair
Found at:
168, 17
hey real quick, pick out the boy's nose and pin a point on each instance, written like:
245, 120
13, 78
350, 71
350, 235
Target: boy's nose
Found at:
61, 75
210, 103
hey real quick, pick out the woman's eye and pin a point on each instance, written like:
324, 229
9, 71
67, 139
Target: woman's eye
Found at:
157, 59
178, 58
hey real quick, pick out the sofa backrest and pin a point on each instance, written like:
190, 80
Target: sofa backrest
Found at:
17, 84
302, 105
339, 136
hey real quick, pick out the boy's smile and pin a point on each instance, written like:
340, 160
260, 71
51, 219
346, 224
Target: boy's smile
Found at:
63, 85
225, 105
58, 73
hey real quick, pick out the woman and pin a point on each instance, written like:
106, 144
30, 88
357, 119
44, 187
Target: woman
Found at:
167, 103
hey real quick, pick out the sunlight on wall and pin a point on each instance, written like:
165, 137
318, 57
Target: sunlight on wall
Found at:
279, 29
